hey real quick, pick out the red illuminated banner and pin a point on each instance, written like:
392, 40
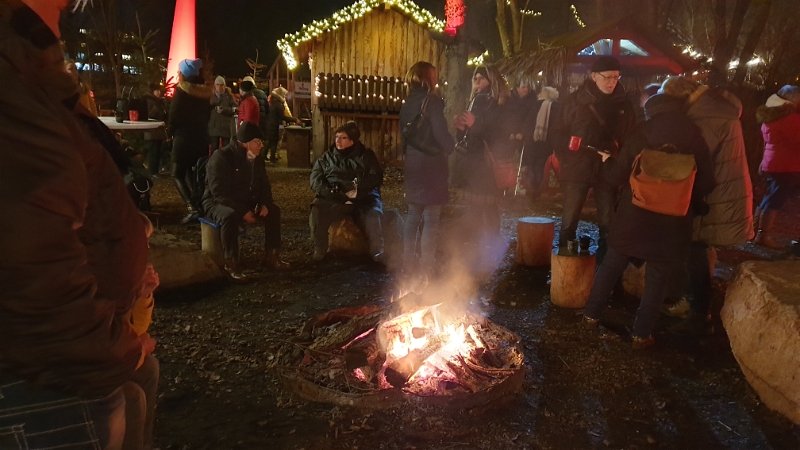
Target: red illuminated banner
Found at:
183, 43
454, 12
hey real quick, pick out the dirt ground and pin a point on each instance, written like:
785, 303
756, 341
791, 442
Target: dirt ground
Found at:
220, 389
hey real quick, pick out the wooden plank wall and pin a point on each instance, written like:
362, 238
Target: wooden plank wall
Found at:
383, 43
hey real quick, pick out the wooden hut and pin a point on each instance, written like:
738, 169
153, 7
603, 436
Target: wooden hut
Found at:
358, 58
564, 60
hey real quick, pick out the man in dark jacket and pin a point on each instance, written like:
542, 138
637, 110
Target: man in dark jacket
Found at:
346, 181
239, 191
72, 252
278, 112
598, 115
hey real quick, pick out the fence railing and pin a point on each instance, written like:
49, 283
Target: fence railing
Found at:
358, 93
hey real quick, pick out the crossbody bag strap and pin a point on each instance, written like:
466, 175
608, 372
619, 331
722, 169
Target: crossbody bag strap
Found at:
604, 125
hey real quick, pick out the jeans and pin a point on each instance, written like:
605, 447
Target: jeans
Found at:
140, 405
426, 216
229, 222
33, 417
699, 279
325, 213
657, 279
574, 198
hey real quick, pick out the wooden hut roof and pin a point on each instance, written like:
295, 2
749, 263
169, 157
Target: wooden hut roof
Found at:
291, 42
561, 53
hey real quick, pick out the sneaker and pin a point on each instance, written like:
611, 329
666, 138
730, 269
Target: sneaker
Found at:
694, 325
680, 309
590, 324
642, 343
234, 273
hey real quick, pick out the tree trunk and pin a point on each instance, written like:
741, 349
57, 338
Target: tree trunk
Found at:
789, 29
516, 27
726, 38
759, 23
500, 18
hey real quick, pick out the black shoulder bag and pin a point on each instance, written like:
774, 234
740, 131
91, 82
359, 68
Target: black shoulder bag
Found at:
419, 134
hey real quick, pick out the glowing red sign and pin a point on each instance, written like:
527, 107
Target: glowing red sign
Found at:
454, 12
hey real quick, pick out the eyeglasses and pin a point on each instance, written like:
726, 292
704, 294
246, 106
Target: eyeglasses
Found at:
611, 78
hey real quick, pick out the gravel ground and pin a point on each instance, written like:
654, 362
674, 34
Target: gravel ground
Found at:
220, 388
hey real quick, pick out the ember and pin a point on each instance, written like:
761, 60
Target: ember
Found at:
355, 356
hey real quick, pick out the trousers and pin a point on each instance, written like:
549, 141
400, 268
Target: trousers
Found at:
325, 213
230, 221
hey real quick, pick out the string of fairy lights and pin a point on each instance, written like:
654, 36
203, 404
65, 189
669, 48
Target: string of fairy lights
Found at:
577, 17
349, 14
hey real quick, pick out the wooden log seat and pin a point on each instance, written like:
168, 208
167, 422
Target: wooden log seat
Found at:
534, 241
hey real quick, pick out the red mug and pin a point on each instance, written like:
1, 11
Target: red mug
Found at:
575, 143
133, 115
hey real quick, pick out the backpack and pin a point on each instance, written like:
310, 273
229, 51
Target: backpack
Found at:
139, 184
662, 181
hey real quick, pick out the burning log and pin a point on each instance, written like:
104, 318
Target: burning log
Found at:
487, 355
399, 372
464, 375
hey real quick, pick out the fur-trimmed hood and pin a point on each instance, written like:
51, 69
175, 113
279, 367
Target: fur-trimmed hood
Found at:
776, 108
196, 90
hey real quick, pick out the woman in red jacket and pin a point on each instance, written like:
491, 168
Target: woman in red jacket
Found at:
249, 110
781, 162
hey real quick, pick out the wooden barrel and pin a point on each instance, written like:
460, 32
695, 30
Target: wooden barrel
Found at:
571, 279
534, 241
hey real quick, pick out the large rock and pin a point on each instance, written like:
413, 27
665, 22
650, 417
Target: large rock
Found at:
762, 318
180, 263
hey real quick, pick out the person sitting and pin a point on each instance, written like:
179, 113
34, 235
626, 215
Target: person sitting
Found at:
238, 190
346, 181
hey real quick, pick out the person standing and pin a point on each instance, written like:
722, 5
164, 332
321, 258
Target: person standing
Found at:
188, 123
780, 126
156, 111
425, 173
249, 107
662, 240
278, 113
543, 141
239, 192
346, 181
598, 115
730, 217
223, 106
478, 132
518, 122
72, 253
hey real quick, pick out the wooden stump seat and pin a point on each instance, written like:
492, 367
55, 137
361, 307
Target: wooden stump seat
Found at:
534, 241
211, 241
571, 279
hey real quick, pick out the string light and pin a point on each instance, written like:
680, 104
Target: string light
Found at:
577, 17
349, 14
478, 60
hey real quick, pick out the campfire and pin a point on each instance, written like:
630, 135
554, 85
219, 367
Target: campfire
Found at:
357, 356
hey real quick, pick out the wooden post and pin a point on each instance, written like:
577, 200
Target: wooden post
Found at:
571, 280
534, 241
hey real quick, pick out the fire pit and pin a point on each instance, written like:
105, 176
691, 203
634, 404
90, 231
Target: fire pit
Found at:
375, 357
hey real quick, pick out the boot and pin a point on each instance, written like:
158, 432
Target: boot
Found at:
233, 271
273, 260
186, 196
766, 221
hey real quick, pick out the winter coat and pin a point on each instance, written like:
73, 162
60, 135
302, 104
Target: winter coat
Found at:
189, 112
472, 171
333, 174
780, 126
276, 115
518, 116
263, 108
73, 248
221, 123
645, 234
577, 119
730, 219
155, 111
235, 182
425, 176
249, 110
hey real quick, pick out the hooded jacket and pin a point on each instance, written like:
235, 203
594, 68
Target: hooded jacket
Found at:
730, 218
72, 247
334, 172
780, 126
577, 119
276, 115
644, 234
221, 123
189, 113
236, 182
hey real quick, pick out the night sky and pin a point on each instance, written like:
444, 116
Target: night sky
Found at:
232, 30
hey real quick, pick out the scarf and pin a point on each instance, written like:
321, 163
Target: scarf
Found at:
542, 121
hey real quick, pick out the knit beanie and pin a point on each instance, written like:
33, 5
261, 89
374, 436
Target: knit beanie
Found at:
219, 80
790, 93
190, 67
248, 131
605, 64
